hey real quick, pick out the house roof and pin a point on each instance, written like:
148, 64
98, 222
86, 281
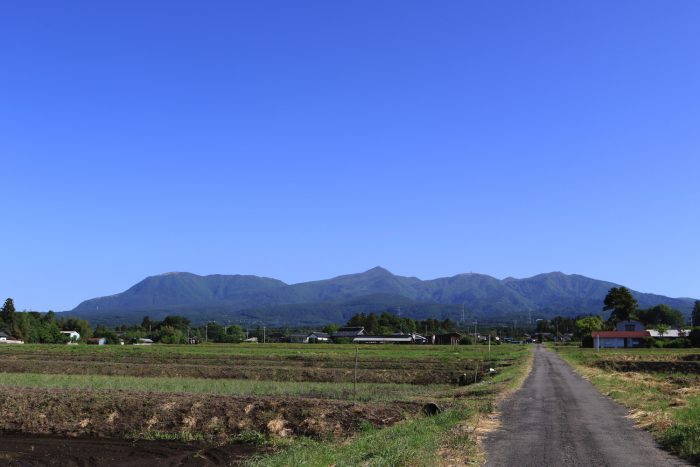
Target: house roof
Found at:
319, 334
2, 334
349, 332
620, 334
404, 338
669, 333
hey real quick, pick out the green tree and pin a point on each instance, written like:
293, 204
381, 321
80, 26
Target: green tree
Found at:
233, 335
621, 303
661, 314
107, 333
585, 326
21, 326
7, 314
171, 335
662, 328
695, 316
330, 328
76, 324
177, 322
695, 336
372, 324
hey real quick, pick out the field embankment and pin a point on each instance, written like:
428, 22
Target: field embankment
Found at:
661, 387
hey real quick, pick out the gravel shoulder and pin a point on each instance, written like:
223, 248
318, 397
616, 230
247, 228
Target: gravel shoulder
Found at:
558, 418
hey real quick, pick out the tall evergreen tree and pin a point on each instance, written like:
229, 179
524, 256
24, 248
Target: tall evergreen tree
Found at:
623, 305
7, 314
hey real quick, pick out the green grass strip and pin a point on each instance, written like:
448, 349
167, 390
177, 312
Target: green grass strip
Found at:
342, 391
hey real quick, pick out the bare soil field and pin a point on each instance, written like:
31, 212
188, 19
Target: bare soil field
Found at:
272, 367
102, 414
45, 451
265, 370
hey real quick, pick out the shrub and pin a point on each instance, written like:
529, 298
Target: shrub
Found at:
677, 344
695, 337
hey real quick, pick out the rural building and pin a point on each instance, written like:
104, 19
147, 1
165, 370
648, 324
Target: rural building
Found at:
276, 337
670, 334
626, 334
72, 335
97, 341
450, 338
8, 339
318, 337
143, 341
393, 339
297, 338
349, 332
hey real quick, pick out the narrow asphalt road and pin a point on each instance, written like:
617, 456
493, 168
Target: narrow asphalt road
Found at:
559, 419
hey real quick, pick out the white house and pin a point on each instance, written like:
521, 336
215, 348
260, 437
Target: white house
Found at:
7, 339
626, 334
72, 335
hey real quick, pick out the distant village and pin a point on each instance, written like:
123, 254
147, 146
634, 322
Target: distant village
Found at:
627, 327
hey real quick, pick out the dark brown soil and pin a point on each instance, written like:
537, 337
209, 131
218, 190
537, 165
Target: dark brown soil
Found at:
119, 414
275, 371
31, 450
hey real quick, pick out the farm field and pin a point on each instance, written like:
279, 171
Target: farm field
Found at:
287, 404
661, 387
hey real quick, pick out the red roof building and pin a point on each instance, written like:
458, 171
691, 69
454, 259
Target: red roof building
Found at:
627, 334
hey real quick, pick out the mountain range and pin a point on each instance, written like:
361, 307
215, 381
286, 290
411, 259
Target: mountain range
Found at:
252, 299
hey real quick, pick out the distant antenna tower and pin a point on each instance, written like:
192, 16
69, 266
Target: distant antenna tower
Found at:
529, 317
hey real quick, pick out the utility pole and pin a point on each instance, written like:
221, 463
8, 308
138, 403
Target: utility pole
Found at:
264, 334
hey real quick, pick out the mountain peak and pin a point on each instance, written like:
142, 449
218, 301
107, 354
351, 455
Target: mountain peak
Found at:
378, 270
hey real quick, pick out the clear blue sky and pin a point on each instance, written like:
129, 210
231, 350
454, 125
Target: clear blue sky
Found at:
303, 140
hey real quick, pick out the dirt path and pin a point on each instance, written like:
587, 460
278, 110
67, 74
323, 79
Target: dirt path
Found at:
557, 418
44, 451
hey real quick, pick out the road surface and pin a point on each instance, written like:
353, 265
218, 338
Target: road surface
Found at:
559, 419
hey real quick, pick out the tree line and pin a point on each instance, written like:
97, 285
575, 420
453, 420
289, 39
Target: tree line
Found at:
41, 328
387, 323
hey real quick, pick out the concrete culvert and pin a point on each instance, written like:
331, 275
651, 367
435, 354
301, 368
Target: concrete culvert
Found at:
431, 409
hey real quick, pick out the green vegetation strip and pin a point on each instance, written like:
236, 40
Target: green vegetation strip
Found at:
667, 404
414, 442
365, 391
272, 351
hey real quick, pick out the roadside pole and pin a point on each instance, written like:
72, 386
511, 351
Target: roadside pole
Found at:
354, 380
